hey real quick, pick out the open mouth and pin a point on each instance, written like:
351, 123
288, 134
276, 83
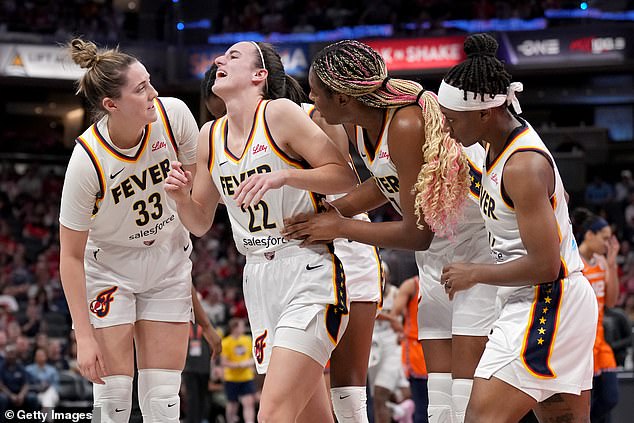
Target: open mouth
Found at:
221, 74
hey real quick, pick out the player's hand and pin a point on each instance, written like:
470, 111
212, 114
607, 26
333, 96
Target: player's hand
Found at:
316, 228
178, 183
457, 277
90, 360
252, 189
214, 341
612, 250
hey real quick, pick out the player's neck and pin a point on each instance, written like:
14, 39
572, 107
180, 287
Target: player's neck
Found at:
586, 253
241, 115
122, 135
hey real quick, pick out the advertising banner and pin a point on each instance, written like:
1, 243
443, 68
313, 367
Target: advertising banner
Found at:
37, 61
560, 49
420, 53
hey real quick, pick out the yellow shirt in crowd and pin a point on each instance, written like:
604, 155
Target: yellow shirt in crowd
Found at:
236, 350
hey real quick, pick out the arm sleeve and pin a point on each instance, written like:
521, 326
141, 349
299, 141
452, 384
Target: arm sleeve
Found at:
184, 127
81, 186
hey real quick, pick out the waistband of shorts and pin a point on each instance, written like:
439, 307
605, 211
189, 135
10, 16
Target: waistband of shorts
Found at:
283, 253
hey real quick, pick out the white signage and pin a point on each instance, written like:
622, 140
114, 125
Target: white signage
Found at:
37, 61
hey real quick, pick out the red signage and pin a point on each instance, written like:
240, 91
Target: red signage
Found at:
420, 53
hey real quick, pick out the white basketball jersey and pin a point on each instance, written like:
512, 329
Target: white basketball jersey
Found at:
471, 223
499, 214
131, 207
377, 160
256, 229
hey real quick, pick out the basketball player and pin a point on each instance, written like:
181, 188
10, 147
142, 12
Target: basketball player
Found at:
265, 158
124, 258
599, 248
406, 306
361, 264
404, 148
538, 346
348, 364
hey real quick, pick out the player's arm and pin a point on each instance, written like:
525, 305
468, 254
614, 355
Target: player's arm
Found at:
210, 334
529, 182
195, 210
300, 138
612, 272
406, 291
408, 134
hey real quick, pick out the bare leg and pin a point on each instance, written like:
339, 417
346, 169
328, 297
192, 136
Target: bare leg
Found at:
317, 410
349, 360
381, 411
248, 408
290, 383
161, 345
565, 408
495, 401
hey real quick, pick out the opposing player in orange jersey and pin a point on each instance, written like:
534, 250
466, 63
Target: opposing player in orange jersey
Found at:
599, 248
406, 305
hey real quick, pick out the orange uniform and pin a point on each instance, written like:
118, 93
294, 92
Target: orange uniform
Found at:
413, 360
603, 354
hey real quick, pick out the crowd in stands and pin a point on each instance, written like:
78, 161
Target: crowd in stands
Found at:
107, 20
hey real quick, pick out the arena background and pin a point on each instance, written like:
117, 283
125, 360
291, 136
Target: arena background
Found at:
576, 60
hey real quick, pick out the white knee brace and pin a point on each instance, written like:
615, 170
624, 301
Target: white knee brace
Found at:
112, 401
158, 395
349, 403
439, 391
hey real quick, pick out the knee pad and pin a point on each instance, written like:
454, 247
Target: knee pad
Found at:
349, 404
439, 390
460, 393
112, 401
158, 395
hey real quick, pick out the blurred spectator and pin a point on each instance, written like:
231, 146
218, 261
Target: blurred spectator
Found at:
215, 309
24, 351
196, 376
3, 345
629, 217
33, 319
239, 375
618, 333
235, 301
13, 332
44, 380
598, 194
629, 307
14, 386
624, 187
55, 357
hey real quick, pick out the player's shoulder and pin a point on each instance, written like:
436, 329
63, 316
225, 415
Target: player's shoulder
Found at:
173, 105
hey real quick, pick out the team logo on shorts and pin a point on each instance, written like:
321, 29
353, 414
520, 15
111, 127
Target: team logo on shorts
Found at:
258, 347
101, 305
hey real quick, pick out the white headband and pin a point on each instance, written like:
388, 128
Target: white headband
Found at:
453, 98
266, 81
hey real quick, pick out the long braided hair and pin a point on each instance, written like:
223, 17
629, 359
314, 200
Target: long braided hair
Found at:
355, 69
481, 73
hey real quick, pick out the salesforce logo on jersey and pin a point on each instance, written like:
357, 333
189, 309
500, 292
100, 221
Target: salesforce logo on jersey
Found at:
266, 242
294, 57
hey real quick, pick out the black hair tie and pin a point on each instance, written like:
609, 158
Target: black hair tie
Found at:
420, 94
384, 83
